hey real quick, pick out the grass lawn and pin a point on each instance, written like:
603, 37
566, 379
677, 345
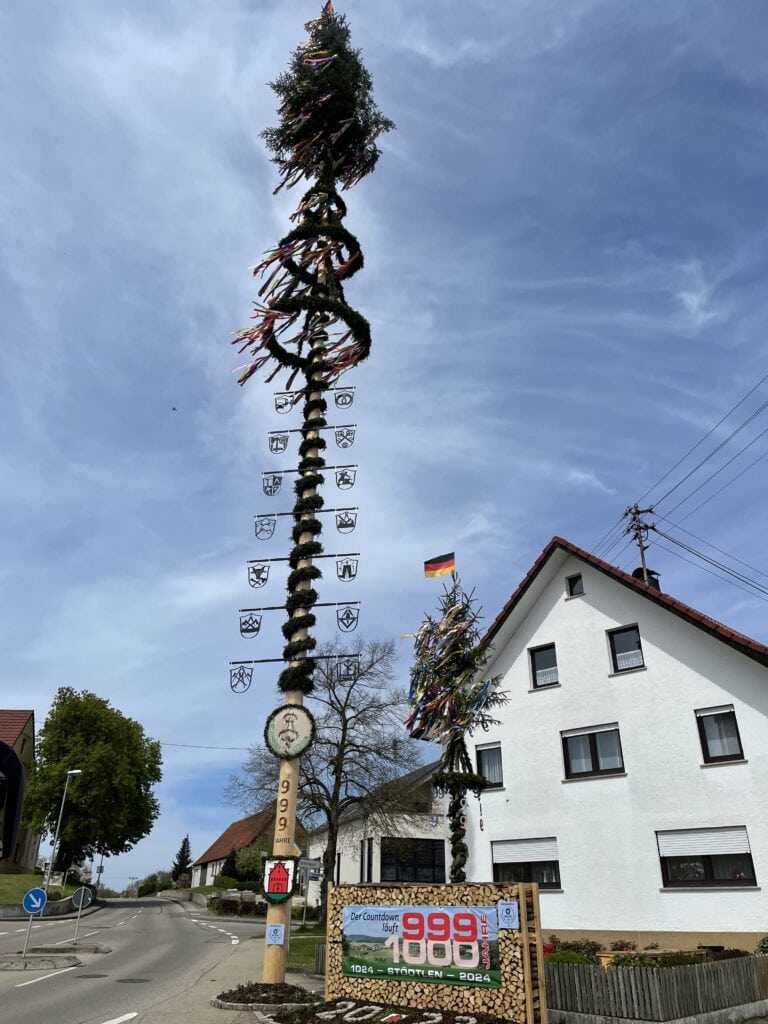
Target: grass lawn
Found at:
302, 948
13, 887
206, 890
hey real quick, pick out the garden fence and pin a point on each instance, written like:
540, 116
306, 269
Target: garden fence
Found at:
656, 993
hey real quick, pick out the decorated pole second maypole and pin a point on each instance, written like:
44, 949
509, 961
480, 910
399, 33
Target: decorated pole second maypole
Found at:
326, 137
451, 698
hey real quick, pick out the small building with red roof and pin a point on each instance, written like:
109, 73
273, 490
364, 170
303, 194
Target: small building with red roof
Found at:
255, 830
17, 730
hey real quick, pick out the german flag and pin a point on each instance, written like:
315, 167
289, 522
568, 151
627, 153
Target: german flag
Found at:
440, 566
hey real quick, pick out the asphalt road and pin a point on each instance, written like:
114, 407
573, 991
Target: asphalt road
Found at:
159, 951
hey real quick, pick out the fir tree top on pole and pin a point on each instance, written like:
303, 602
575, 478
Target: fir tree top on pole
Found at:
329, 124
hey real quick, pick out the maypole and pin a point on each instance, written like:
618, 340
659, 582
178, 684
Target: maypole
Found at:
327, 135
450, 698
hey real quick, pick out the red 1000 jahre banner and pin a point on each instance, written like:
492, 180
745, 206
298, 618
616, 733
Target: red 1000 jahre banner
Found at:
448, 945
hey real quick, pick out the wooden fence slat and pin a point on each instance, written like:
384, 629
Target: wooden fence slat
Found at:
658, 994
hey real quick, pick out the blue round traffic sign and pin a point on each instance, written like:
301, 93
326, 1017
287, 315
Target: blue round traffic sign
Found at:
34, 900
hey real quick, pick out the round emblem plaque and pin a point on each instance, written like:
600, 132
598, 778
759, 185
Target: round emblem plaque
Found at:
289, 731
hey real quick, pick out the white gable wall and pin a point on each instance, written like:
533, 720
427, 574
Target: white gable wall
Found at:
605, 827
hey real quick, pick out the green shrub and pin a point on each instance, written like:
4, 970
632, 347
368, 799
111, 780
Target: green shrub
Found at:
570, 956
727, 954
680, 959
651, 945
762, 946
225, 882
634, 960
214, 904
624, 944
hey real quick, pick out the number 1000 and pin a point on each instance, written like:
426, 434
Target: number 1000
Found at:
438, 953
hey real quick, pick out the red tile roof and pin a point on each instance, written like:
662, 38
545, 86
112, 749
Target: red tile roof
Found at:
239, 834
12, 725
746, 645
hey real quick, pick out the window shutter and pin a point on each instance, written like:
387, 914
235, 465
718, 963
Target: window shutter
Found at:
521, 851
687, 842
592, 728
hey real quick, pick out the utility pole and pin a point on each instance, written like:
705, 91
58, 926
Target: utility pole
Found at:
638, 529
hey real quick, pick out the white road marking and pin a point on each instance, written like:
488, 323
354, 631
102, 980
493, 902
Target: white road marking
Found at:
35, 980
121, 1020
91, 933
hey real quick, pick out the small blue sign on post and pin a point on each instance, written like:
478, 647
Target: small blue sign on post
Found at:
34, 901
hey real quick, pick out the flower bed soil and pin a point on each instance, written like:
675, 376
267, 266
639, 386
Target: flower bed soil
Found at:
349, 1012
254, 992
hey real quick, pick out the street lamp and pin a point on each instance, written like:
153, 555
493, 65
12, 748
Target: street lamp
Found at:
72, 771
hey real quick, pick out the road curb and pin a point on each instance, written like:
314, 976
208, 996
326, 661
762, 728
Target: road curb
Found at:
37, 963
259, 1007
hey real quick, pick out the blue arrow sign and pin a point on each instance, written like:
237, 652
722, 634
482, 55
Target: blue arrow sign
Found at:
34, 900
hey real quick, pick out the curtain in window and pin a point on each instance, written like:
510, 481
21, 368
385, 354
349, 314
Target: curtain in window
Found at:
720, 731
490, 765
608, 750
579, 755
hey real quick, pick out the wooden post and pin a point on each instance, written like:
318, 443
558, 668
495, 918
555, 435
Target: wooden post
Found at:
275, 956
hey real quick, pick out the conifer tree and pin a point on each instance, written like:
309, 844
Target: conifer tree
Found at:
183, 862
450, 699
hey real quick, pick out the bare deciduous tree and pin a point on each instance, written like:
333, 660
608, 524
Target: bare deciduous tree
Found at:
360, 748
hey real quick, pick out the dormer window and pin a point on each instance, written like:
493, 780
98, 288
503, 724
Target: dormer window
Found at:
574, 585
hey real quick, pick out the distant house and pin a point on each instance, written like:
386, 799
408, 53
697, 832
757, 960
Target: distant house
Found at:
17, 730
406, 846
257, 829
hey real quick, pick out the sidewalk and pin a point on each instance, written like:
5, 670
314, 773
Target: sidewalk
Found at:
241, 965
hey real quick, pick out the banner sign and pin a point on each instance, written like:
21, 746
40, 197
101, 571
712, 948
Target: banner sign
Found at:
447, 945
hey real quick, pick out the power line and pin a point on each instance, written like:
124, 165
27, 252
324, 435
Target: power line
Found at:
199, 746
701, 442
713, 562
721, 489
718, 471
714, 452
714, 546
723, 579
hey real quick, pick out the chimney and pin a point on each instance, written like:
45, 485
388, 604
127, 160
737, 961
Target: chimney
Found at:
653, 578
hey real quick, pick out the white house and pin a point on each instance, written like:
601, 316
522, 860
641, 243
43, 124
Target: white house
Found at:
411, 848
629, 768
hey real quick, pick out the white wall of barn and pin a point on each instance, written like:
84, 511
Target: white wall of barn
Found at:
605, 826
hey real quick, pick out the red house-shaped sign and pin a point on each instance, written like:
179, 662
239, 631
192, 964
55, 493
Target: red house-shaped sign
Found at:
277, 879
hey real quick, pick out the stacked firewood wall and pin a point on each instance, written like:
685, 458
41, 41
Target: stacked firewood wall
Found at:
520, 999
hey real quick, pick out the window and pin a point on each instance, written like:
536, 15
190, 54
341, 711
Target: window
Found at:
625, 649
574, 585
489, 765
527, 860
706, 857
719, 735
595, 751
544, 666
412, 860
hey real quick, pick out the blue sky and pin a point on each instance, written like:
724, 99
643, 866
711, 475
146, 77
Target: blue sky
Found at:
565, 247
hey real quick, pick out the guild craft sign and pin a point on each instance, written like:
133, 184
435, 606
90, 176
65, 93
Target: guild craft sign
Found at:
279, 878
468, 948
289, 730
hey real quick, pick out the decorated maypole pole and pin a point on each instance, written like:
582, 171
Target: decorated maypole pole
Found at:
450, 698
327, 135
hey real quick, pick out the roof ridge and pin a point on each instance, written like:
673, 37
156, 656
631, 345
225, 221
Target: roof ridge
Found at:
747, 645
